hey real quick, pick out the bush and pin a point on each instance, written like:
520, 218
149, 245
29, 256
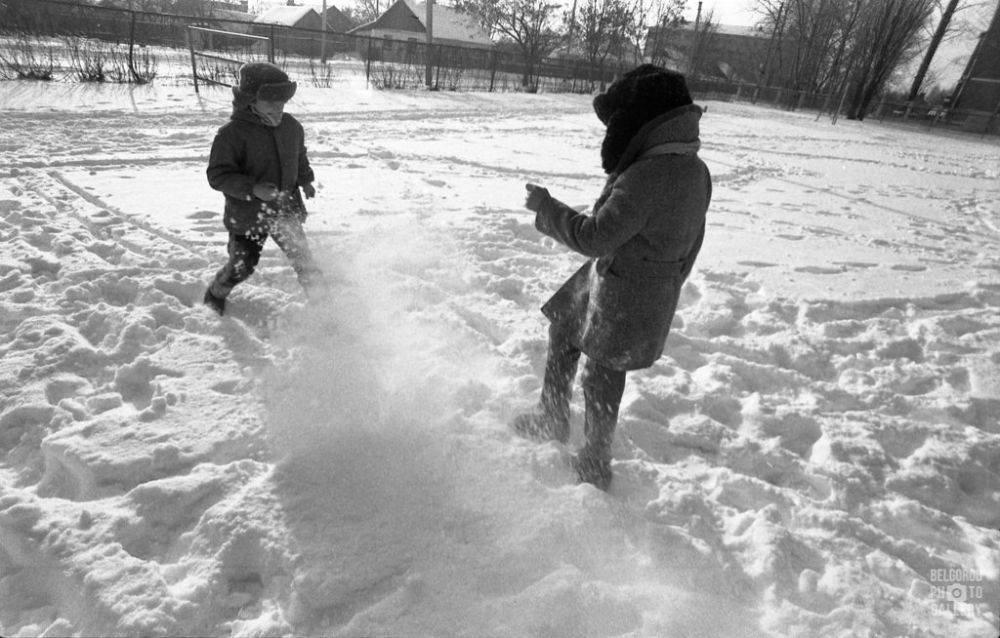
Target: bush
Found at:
322, 74
98, 61
143, 67
26, 58
92, 61
391, 76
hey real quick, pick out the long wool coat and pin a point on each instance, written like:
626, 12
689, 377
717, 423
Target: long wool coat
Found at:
643, 236
247, 152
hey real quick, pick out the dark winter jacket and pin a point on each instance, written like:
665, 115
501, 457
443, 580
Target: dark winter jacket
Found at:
247, 152
643, 236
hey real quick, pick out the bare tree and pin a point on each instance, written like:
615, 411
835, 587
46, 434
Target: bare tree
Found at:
939, 33
806, 36
662, 15
485, 12
888, 33
368, 10
845, 47
603, 27
774, 16
705, 29
527, 25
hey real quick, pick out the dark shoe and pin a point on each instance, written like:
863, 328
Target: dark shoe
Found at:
537, 426
218, 304
591, 470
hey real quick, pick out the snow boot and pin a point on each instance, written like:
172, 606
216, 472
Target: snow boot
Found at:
218, 304
538, 425
592, 470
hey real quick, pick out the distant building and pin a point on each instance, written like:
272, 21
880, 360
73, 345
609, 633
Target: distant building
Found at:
978, 92
337, 21
291, 16
286, 25
240, 6
735, 53
406, 22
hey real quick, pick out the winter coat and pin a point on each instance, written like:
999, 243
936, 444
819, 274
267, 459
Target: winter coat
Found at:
643, 236
246, 152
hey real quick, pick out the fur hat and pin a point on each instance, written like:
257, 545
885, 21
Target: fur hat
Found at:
631, 101
263, 81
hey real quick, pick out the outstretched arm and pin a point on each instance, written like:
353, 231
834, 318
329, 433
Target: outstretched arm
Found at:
596, 235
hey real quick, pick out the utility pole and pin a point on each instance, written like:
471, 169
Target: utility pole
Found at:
938, 35
694, 41
429, 75
572, 26
322, 37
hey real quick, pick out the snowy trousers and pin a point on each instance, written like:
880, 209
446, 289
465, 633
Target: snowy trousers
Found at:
244, 254
602, 393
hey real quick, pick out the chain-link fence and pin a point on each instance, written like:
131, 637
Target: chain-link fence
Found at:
386, 63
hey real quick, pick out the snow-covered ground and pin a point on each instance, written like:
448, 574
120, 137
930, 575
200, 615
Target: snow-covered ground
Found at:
817, 453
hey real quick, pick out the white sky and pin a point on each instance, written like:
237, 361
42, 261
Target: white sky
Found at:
726, 11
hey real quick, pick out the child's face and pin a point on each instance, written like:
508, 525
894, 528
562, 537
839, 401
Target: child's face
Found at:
270, 111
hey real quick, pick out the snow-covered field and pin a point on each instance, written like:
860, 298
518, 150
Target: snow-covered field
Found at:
817, 453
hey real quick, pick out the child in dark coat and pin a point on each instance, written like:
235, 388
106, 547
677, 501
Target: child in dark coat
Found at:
642, 238
259, 162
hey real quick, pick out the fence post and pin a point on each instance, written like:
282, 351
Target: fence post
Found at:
270, 54
368, 63
194, 62
493, 69
802, 99
131, 47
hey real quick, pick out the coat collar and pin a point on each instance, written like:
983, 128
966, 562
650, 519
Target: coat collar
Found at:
674, 132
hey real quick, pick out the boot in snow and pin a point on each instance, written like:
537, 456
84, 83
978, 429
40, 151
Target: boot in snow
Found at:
218, 304
538, 425
592, 470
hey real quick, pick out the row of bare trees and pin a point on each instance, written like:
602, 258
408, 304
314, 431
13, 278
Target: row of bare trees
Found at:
593, 30
847, 48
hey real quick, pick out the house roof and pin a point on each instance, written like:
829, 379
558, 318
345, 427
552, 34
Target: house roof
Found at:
286, 16
449, 24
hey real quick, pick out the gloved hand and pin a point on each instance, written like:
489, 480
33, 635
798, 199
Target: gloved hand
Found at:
536, 197
265, 191
309, 191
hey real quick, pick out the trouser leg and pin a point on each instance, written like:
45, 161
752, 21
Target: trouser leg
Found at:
602, 391
244, 254
291, 238
560, 371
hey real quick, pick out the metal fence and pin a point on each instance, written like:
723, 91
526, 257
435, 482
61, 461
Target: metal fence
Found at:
386, 63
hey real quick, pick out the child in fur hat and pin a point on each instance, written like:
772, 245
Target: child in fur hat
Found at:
642, 238
258, 160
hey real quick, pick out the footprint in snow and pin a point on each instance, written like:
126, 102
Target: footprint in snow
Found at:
819, 270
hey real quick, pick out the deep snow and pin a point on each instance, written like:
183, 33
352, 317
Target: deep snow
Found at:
817, 453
